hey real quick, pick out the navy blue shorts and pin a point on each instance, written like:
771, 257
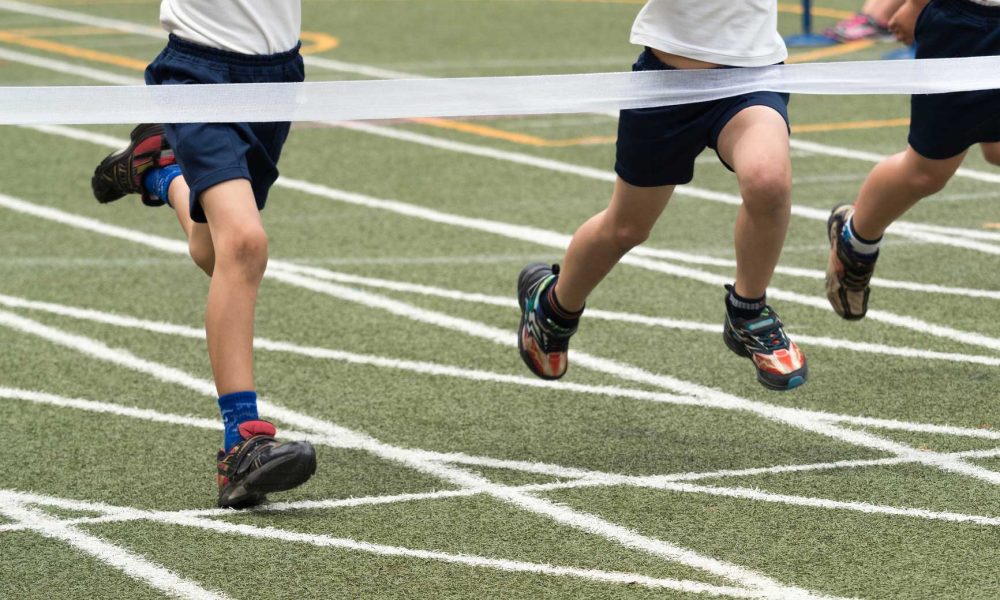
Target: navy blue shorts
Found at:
946, 125
658, 146
211, 153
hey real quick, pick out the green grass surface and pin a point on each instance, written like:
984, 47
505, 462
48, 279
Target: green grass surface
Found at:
81, 464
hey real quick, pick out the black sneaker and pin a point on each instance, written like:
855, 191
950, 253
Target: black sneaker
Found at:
779, 362
260, 464
121, 173
847, 279
544, 346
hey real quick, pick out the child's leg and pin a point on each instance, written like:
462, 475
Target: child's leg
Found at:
895, 185
602, 241
198, 234
991, 152
755, 144
240, 259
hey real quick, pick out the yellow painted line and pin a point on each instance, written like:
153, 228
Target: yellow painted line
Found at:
70, 30
838, 50
848, 125
794, 9
485, 131
314, 42
72, 51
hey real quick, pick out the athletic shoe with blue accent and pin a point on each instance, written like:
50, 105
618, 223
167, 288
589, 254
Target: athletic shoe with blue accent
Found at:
261, 464
121, 173
847, 278
544, 345
779, 362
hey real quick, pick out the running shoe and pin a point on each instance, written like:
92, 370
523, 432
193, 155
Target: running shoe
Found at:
859, 27
847, 278
121, 173
260, 464
544, 345
779, 362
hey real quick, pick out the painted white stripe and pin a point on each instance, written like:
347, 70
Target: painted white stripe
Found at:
913, 231
715, 329
586, 479
496, 463
707, 395
67, 68
325, 541
828, 150
578, 520
557, 240
437, 369
131, 564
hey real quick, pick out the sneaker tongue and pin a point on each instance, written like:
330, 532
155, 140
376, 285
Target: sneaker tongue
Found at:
248, 429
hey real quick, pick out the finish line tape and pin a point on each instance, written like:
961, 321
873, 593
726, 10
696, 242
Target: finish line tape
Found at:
479, 96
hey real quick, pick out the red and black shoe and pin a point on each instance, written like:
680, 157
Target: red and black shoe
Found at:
121, 173
779, 362
260, 465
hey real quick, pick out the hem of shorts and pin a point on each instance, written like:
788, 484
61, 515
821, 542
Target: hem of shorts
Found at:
648, 183
641, 39
919, 148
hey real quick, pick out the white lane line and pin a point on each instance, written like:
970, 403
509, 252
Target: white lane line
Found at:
673, 482
914, 231
185, 519
710, 397
437, 369
129, 563
425, 290
828, 150
483, 461
558, 240
578, 520
715, 329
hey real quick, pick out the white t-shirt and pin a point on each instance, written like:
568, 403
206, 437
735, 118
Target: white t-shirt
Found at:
244, 26
740, 33
988, 2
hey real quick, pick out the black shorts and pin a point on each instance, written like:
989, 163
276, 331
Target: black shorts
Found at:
946, 125
658, 146
211, 153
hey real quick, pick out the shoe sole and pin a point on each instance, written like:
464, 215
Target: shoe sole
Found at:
294, 467
776, 383
97, 182
525, 280
833, 227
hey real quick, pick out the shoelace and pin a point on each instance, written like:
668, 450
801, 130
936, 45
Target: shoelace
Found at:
772, 338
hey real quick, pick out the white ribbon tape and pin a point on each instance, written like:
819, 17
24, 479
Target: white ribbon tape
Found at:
480, 96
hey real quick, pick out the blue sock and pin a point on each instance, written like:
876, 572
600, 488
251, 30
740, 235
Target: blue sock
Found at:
237, 408
158, 181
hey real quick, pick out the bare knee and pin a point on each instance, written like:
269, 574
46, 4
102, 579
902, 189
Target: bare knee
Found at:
243, 252
626, 236
766, 188
925, 182
991, 152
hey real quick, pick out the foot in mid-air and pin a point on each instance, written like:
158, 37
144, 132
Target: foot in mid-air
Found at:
122, 173
848, 273
543, 343
259, 465
779, 362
